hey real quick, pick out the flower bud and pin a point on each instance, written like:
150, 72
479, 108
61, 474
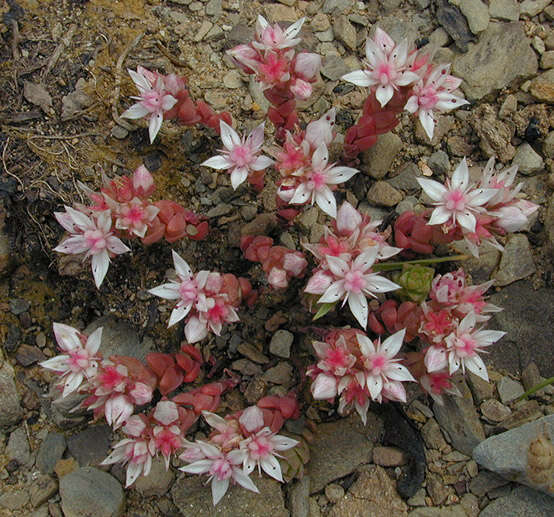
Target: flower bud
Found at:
301, 89
277, 278
252, 419
348, 219
295, 264
324, 387
143, 182
415, 281
307, 65
166, 412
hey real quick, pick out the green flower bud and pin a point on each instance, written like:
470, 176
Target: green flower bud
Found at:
415, 281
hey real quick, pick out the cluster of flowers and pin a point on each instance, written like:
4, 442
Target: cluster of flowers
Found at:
284, 75
166, 97
116, 386
123, 208
475, 213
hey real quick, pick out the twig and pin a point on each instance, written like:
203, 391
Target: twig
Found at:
66, 40
6, 167
174, 59
15, 40
64, 137
119, 65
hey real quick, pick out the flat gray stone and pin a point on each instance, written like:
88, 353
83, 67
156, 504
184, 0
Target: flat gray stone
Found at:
341, 447
522, 502
299, 497
507, 453
504, 10
50, 451
527, 160
157, 482
477, 15
87, 492
516, 262
458, 418
502, 55
18, 447
281, 343
509, 390
11, 411
90, 446
378, 159
193, 497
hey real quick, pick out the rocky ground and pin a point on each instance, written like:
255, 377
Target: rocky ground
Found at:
59, 79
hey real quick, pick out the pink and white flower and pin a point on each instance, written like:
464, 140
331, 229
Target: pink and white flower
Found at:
458, 201
80, 361
240, 156
382, 368
434, 93
272, 37
261, 451
222, 467
314, 182
386, 67
92, 236
153, 101
136, 453
353, 281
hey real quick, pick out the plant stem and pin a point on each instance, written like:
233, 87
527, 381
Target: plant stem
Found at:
536, 388
391, 266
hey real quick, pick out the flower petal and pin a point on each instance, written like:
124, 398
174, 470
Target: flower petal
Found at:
217, 162
270, 465
219, 487
100, 264
238, 176
135, 111
359, 78
358, 305
432, 188
181, 266
166, 291
229, 136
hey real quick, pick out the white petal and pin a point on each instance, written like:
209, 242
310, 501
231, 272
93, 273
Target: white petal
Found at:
135, 111
391, 346
93, 341
366, 345
481, 196
358, 305
283, 443
428, 123
320, 158
100, 264
476, 365
181, 266
398, 372
178, 314
256, 138
238, 176
261, 162
435, 359
384, 94
453, 363
218, 489
301, 195
439, 216
374, 385
326, 201
271, 467
340, 174
294, 29
379, 284
195, 330
198, 467
72, 382
58, 363
154, 125
166, 291
337, 266
133, 472
432, 188
229, 136
217, 162
412, 105
333, 293
359, 78
244, 481
141, 82
407, 78
460, 177
467, 221
365, 260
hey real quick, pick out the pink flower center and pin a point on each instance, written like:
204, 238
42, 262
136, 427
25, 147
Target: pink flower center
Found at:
221, 469
354, 281
377, 363
134, 215
152, 101
96, 241
78, 360
455, 200
385, 73
337, 358
427, 98
465, 345
241, 156
188, 291
260, 447
217, 313
166, 442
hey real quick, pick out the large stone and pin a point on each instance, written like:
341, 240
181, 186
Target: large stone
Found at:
542, 87
373, 493
11, 410
516, 262
521, 502
87, 492
192, 496
120, 338
527, 160
502, 55
91, 445
504, 10
382, 193
526, 319
299, 497
341, 447
477, 15
458, 418
18, 447
508, 454
50, 451
345, 32
379, 158
158, 480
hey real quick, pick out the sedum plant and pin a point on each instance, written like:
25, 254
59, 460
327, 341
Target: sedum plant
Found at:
152, 404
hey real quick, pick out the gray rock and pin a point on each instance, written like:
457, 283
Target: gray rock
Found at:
477, 15
50, 451
406, 179
455, 24
522, 502
456, 510
232, 79
341, 447
507, 454
516, 262
120, 338
533, 7
280, 343
548, 224
531, 376
509, 390
542, 86
299, 498
157, 482
502, 54
373, 493
458, 417
255, 90
42, 489
336, 6
504, 10
527, 160
333, 67
192, 496
90, 446
379, 158
345, 32
214, 8
14, 500
88, 491
282, 373
334, 492
480, 389
526, 320
18, 447
438, 162
432, 435
494, 411
484, 482
383, 194
547, 60
9, 397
